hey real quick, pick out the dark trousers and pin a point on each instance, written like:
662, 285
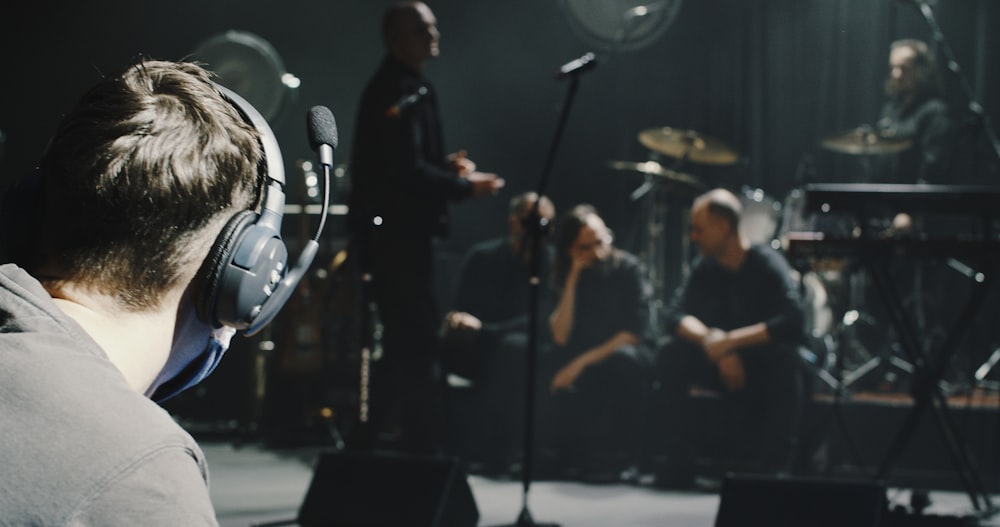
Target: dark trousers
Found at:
602, 415
488, 418
764, 414
406, 382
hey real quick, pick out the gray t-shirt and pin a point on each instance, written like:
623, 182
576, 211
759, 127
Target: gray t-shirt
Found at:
78, 446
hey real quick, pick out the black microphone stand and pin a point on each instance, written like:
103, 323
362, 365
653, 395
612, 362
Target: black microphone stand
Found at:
535, 230
981, 117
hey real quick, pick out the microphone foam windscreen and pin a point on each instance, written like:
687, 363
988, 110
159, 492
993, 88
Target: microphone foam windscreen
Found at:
322, 127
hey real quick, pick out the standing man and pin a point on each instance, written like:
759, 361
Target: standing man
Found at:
105, 308
736, 324
402, 182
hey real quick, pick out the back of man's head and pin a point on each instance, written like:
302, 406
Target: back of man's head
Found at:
396, 16
722, 204
136, 180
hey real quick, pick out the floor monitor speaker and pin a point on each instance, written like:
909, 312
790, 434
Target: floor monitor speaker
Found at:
753, 500
354, 489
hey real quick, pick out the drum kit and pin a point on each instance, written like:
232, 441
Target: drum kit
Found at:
656, 198
843, 332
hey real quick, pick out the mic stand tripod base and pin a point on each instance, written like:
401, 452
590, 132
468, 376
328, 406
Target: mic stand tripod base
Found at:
525, 520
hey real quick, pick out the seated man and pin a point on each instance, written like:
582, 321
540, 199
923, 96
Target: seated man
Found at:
737, 323
486, 333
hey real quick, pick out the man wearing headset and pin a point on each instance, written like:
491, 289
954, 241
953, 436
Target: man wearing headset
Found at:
100, 312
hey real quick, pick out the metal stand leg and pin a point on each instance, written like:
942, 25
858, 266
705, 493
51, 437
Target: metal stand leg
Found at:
927, 392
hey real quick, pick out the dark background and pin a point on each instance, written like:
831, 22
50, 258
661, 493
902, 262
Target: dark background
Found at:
768, 77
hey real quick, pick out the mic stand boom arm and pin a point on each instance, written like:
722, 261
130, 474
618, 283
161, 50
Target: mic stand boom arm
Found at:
974, 106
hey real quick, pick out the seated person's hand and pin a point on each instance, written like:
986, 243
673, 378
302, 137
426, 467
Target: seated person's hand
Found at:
716, 344
732, 373
567, 375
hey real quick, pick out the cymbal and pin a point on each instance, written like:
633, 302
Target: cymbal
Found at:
688, 145
864, 141
656, 169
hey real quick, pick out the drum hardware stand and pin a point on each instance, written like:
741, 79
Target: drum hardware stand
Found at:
887, 355
986, 367
983, 370
655, 210
839, 386
653, 228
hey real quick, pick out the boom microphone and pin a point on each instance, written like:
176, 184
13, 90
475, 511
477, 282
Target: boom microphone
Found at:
322, 128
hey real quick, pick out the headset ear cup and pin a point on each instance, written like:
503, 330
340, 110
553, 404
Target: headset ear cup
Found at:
215, 264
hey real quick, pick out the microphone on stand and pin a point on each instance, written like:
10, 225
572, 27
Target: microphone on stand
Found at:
405, 102
576, 67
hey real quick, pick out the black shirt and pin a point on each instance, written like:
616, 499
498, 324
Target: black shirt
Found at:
494, 286
399, 170
761, 290
927, 124
611, 297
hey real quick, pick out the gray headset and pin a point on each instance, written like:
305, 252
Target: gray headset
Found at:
246, 276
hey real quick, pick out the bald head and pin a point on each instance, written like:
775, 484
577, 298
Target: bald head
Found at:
721, 204
409, 31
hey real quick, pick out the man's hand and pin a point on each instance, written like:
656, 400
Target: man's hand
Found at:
484, 183
716, 344
732, 373
462, 321
461, 164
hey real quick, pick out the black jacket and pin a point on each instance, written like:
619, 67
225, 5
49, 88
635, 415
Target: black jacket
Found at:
399, 170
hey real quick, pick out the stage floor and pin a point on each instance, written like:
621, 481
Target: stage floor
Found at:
251, 485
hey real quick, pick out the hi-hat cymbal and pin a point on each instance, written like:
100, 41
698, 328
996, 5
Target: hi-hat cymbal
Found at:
656, 169
864, 141
688, 145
